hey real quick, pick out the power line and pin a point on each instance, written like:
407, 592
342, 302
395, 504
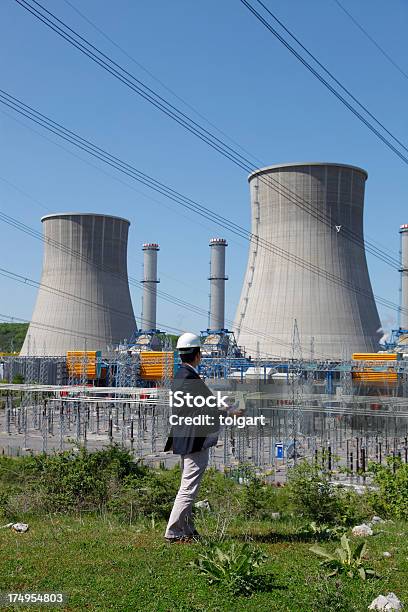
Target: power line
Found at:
155, 78
373, 248
324, 82
102, 170
128, 79
25, 194
90, 336
160, 82
370, 38
26, 280
176, 196
112, 67
101, 154
70, 296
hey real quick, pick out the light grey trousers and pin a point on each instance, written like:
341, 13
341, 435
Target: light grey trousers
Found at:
181, 521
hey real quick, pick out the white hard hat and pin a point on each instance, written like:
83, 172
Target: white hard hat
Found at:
188, 341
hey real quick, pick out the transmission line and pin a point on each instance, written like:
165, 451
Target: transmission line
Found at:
81, 143
184, 201
136, 85
370, 38
155, 78
324, 82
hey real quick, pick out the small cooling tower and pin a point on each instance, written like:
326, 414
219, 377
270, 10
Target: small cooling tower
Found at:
307, 265
84, 301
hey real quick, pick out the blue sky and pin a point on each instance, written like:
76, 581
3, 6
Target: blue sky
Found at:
219, 59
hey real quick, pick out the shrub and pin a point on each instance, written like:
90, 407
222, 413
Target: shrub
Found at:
312, 494
232, 566
151, 494
18, 379
17, 486
391, 499
4, 504
259, 500
81, 480
221, 491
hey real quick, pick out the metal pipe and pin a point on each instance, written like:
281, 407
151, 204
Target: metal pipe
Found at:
404, 277
217, 280
150, 282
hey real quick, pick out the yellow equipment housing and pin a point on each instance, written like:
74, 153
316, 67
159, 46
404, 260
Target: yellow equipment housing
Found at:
368, 375
156, 365
84, 364
374, 356
371, 371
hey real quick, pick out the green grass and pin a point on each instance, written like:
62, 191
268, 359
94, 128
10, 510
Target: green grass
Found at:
96, 534
105, 565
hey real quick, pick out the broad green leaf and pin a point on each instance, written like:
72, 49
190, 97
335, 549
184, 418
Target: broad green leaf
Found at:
321, 552
345, 544
359, 550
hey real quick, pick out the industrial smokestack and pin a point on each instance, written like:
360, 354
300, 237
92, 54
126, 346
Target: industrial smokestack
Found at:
150, 282
83, 302
307, 263
217, 283
404, 276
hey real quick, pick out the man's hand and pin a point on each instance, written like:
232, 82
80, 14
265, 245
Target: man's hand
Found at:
233, 411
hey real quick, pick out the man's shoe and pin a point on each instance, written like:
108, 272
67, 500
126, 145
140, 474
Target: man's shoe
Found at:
183, 540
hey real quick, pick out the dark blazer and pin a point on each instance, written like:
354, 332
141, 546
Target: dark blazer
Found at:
187, 439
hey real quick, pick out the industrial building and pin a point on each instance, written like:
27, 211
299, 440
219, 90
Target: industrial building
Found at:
83, 302
307, 284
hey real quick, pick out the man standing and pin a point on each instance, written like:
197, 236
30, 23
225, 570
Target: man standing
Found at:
192, 442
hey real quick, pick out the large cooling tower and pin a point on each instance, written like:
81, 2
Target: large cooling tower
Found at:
307, 265
84, 301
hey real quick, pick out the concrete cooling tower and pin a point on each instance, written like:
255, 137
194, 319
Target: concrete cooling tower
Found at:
307, 266
83, 302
